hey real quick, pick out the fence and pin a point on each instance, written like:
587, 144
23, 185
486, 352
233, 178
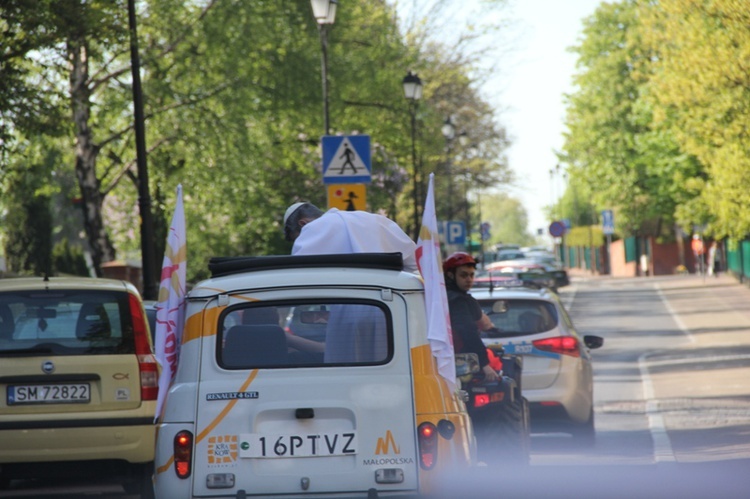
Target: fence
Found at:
738, 258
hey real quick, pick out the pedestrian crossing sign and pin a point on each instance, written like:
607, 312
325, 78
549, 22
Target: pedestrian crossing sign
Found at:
346, 159
347, 197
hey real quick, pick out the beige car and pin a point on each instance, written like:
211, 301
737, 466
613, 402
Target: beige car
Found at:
78, 381
557, 374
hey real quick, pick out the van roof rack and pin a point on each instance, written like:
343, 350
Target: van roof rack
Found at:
228, 265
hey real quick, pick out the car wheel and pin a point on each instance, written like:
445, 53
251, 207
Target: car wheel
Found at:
141, 481
502, 433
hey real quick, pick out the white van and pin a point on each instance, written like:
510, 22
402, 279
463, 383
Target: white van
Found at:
261, 407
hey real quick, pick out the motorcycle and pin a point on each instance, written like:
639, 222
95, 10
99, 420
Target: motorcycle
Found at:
498, 410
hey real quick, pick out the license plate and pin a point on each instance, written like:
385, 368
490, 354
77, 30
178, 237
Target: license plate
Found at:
256, 445
49, 394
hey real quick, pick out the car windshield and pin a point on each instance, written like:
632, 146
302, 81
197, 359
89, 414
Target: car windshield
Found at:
517, 317
65, 323
305, 334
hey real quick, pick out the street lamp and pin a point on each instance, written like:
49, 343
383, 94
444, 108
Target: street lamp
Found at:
148, 257
449, 132
413, 92
325, 14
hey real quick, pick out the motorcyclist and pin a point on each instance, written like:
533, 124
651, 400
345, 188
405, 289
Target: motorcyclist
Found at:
467, 317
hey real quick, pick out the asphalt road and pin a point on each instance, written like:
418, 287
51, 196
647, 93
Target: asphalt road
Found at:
672, 401
672, 397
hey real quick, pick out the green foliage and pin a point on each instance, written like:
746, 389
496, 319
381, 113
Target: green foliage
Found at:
67, 259
29, 249
657, 124
232, 97
700, 89
507, 218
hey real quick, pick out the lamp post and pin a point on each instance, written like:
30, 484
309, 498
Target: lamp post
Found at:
413, 92
148, 258
449, 132
325, 14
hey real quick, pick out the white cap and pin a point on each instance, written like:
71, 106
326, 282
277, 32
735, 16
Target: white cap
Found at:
291, 210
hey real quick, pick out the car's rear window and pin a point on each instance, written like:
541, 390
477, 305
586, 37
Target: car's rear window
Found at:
71, 322
305, 334
517, 317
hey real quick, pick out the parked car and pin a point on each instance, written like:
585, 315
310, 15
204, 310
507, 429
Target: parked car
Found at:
257, 411
514, 277
557, 375
551, 265
78, 381
509, 254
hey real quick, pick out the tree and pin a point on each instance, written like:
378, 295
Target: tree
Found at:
629, 162
507, 218
700, 92
232, 103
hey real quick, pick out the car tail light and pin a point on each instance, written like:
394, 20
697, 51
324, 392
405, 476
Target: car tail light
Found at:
482, 399
183, 453
428, 445
566, 345
147, 366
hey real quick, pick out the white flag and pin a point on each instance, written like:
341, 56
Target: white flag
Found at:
438, 316
170, 310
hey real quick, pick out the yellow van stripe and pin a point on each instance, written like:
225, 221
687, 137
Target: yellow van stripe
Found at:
216, 421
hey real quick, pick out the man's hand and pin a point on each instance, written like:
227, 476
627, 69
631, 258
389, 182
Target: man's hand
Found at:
490, 374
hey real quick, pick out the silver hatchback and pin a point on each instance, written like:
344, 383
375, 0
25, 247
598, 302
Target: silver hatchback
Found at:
557, 375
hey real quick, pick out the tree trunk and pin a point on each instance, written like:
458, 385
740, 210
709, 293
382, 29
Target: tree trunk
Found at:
87, 151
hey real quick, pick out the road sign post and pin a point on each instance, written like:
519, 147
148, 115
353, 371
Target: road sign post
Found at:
346, 159
347, 197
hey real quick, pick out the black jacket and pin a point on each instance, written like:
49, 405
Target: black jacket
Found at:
465, 311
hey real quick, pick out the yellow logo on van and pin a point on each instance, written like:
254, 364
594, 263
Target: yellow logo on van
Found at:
222, 449
384, 444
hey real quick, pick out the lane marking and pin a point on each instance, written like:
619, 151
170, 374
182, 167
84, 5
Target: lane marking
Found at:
663, 452
674, 315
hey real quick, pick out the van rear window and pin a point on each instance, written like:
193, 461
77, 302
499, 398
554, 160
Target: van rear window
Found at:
70, 322
305, 334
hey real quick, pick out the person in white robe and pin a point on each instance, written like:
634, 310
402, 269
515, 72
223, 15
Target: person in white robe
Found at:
315, 232
355, 333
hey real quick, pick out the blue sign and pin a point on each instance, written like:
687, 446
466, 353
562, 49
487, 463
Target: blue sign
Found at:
556, 229
484, 230
346, 159
454, 232
608, 222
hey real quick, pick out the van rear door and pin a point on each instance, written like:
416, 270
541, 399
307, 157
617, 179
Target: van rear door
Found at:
284, 413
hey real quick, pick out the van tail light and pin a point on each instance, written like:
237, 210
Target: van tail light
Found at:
565, 345
428, 445
183, 454
147, 366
